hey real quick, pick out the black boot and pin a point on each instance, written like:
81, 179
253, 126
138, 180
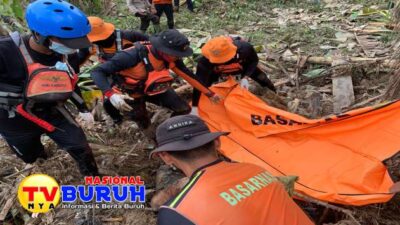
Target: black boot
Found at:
85, 160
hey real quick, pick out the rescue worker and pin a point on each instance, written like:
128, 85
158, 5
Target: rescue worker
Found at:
189, 4
106, 42
218, 192
38, 74
224, 56
146, 12
143, 73
165, 6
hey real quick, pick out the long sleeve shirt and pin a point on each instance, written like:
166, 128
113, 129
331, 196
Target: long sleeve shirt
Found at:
246, 56
130, 58
13, 67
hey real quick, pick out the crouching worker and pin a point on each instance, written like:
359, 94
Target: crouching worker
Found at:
106, 42
224, 56
218, 192
142, 72
38, 74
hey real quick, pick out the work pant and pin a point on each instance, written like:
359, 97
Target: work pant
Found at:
23, 137
139, 114
189, 4
169, 12
146, 19
259, 76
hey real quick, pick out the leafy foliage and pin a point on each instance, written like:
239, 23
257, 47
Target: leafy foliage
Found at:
11, 8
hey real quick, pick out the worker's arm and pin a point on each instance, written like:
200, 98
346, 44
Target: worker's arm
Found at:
121, 61
134, 36
248, 54
204, 73
181, 70
169, 216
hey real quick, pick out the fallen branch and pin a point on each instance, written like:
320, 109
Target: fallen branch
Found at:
109, 220
329, 60
327, 205
6, 208
29, 167
366, 102
358, 31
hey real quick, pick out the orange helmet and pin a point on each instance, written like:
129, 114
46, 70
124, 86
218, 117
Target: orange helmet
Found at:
100, 29
219, 49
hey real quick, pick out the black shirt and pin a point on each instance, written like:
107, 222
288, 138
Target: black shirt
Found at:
246, 56
133, 36
130, 58
129, 35
13, 69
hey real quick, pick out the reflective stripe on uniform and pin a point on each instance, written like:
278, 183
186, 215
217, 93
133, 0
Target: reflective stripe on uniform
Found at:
118, 40
186, 189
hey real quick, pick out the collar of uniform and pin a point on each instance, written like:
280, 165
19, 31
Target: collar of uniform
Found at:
205, 166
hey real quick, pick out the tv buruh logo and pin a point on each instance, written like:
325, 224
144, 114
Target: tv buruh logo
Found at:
39, 193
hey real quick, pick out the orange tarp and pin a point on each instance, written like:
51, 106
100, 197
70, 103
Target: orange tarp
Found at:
338, 158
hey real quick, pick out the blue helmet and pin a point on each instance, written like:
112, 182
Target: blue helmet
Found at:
57, 18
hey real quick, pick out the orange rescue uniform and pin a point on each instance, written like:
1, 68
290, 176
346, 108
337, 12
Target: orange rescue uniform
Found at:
232, 194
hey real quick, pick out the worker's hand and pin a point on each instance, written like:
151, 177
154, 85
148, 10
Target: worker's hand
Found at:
215, 99
86, 119
194, 111
118, 101
244, 83
395, 188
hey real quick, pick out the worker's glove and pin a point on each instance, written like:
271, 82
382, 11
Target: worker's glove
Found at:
194, 111
86, 119
118, 101
244, 83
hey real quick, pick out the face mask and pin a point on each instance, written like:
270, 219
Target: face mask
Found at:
61, 66
61, 49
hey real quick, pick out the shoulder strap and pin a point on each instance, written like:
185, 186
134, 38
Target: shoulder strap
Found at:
98, 49
118, 40
16, 37
144, 56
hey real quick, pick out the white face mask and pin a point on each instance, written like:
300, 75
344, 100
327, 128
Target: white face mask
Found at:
61, 49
